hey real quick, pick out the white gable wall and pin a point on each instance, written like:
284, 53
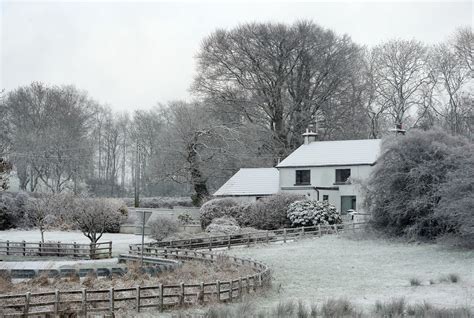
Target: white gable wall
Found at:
326, 177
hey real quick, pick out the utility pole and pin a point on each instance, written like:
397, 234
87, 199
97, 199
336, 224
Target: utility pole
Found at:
137, 176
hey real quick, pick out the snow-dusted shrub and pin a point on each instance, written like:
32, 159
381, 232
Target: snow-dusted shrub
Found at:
162, 227
310, 212
215, 208
422, 186
269, 213
223, 226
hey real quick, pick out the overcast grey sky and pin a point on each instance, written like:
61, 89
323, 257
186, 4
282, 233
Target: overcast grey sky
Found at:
134, 55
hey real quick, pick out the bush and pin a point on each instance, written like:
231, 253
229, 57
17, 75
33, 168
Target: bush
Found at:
422, 186
162, 227
223, 226
215, 208
269, 213
310, 212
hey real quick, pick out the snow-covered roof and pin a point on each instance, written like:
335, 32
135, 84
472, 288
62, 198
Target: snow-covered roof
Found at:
334, 153
251, 181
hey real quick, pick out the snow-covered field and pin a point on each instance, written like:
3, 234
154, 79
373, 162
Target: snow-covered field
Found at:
120, 241
364, 271
315, 269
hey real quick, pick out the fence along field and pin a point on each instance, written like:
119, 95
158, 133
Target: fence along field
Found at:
220, 241
92, 250
159, 297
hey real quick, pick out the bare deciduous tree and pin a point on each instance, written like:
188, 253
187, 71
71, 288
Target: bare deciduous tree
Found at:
95, 216
400, 68
274, 75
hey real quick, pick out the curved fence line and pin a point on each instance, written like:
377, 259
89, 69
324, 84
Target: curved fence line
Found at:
158, 297
227, 241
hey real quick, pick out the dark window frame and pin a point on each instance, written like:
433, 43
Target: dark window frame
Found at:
325, 197
342, 175
303, 177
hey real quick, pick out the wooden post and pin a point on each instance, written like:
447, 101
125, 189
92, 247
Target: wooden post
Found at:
137, 299
228, 245
111, 301
302, 231
8, 247
110, 249
84, 302
27, 304
59, 248
160, 292
74, 249
267, 237
218, 287
284, 235
210, 244
231, 286
181, 297
56, 302
39, 249
319, 230
240, 287
201, 293
248, 240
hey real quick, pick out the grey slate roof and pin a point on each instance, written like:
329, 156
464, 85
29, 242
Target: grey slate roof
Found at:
334, 153
251, 181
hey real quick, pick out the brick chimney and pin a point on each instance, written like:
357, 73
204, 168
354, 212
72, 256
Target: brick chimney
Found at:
310, 135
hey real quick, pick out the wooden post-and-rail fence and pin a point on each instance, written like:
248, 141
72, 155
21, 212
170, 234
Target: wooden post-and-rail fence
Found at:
160, 297
222, 241
76, 250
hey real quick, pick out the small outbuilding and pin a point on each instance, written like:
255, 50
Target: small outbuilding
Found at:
250, 184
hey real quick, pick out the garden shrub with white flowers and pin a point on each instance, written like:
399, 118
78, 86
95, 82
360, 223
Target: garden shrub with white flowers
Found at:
309, 213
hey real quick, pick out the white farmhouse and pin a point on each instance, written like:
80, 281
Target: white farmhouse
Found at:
320, 170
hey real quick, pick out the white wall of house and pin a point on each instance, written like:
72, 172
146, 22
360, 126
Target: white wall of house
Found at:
326, 177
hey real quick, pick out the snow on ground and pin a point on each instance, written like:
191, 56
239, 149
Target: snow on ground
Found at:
120, 241
59, 264
364, 271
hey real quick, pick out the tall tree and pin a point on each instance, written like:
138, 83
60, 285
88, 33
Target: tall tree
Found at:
50, 129
274, 75
401, 71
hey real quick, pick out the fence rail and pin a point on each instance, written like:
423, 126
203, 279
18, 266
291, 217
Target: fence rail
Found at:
137, 298
77, 250
280, 235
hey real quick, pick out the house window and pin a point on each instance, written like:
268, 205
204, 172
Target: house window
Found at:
342, 175
303, 177
325, 197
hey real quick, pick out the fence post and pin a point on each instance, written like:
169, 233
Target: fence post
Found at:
39, 248
24, 247
218, 287
302, 231
84, 302
284, 235
111, 301
181, 297
8, 247
74, 249
210, 244
138, 299
27, 304
56, 302
319, 230
160, 292
110, 249
231, 287
228, 245
267, 237
248, 240
240, 287
59, 248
